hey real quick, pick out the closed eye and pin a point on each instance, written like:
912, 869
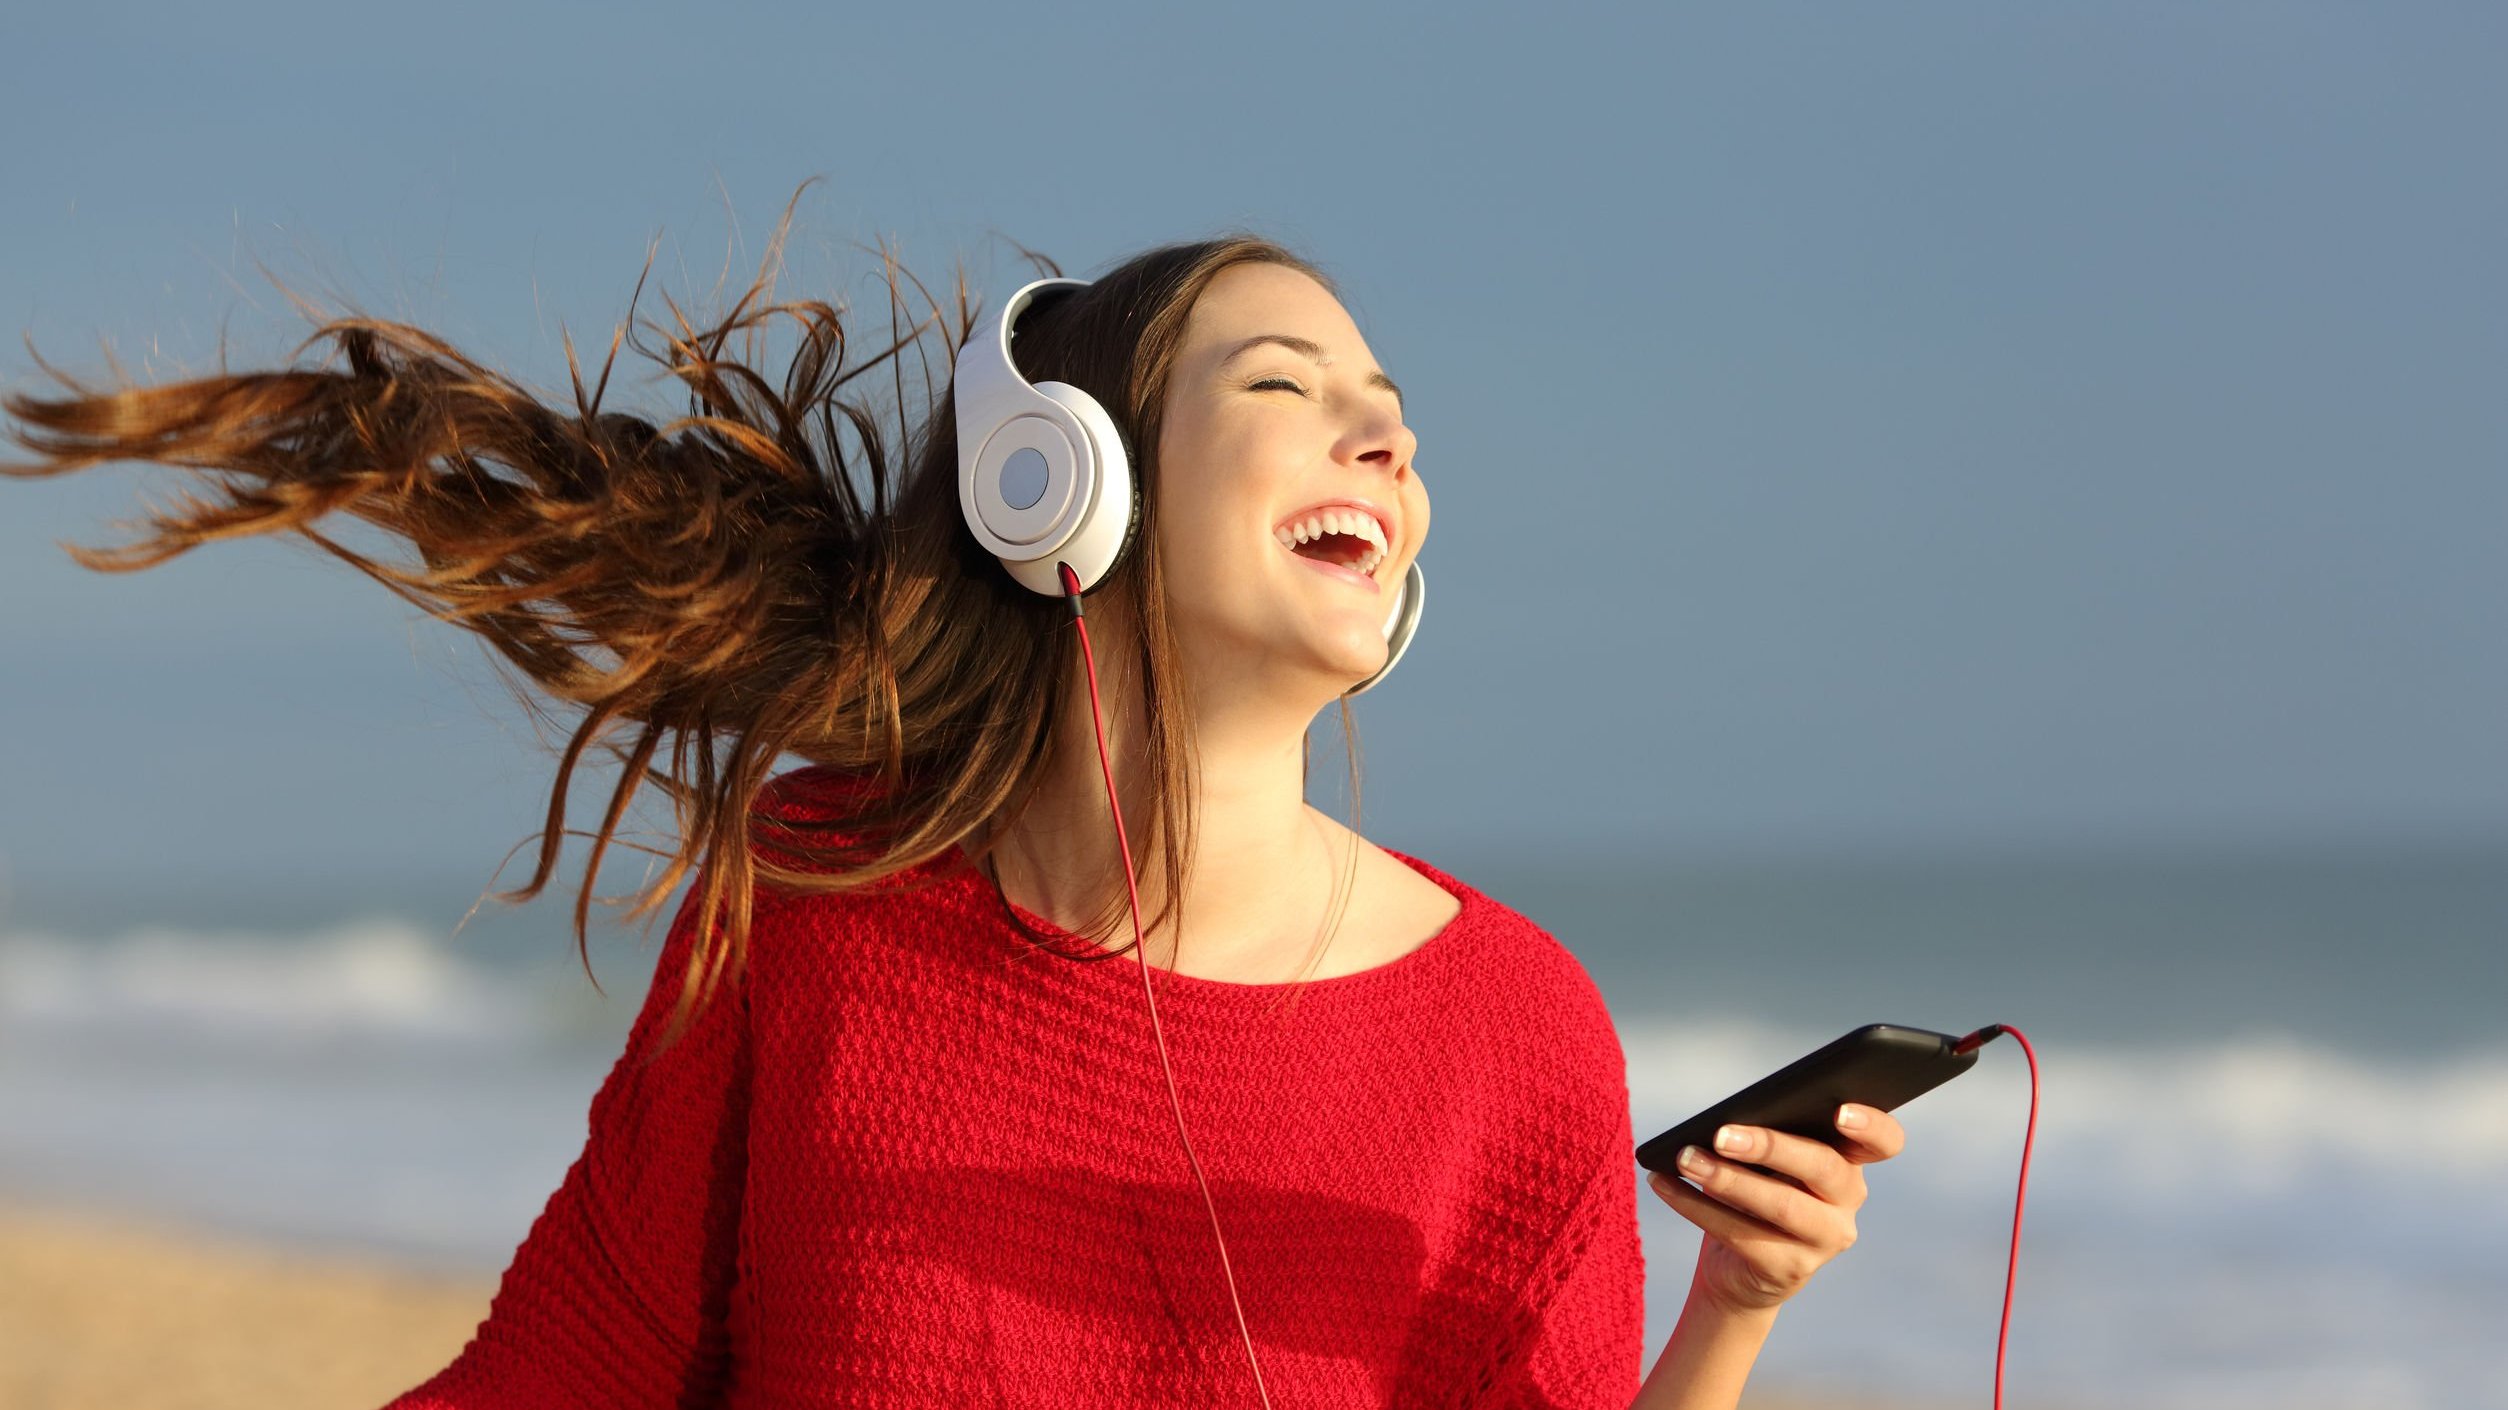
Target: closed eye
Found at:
1275, 382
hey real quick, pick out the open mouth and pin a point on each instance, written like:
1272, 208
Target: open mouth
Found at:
1343, 538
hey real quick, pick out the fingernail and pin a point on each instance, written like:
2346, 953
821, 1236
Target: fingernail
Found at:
1728, 1139
1693, 1160
1850, 1118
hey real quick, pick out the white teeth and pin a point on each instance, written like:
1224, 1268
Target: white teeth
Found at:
1357, 523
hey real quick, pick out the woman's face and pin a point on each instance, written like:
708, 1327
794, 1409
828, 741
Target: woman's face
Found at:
1262, 441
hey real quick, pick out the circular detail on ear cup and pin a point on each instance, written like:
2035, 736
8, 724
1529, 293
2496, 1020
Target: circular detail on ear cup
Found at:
1055, 504
1023, 478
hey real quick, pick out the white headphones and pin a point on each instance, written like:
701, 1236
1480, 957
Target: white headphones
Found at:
1043, 477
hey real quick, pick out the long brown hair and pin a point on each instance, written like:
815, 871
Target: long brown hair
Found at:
735, 579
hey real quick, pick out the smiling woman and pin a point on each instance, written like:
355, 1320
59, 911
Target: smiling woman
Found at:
885, 1128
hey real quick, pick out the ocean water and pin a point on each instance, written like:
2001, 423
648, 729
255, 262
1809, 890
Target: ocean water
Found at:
2271, 1162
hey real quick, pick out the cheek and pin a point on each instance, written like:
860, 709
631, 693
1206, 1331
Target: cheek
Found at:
1219, 506
1415, 516
1213, 560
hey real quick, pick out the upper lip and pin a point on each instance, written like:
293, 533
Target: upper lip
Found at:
1384, 520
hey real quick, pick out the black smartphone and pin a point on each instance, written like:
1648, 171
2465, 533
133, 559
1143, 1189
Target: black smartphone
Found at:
1879, 1065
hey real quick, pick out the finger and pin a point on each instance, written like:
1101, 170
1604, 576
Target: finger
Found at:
1797, 1214
1737, 1229
1874, 1134
1816, 1166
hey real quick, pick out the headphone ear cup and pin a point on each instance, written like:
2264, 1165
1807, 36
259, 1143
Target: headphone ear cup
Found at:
1131, 531
1122, 445
1102, 530
1400, 625
1045, 477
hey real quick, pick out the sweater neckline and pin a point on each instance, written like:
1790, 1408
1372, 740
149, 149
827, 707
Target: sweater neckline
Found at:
1421, 959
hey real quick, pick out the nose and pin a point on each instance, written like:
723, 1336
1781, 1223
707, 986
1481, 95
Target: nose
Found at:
1385, 444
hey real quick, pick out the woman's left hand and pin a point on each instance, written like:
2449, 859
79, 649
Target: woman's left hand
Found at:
1766, 1234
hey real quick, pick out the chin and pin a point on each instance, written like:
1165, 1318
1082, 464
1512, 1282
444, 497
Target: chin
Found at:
1345, 671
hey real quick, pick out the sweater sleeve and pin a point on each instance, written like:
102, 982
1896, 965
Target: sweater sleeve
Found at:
1588, 1342
617, 1295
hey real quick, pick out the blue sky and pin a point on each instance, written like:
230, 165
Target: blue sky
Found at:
1851, 427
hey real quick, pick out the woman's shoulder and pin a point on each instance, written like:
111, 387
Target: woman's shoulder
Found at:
1541, 1033
820, 817
1522, 968
818, 792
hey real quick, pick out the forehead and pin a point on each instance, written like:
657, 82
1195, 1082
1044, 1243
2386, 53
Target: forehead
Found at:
1245, 299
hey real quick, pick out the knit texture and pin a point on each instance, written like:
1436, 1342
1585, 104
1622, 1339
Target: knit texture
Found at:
910, 1159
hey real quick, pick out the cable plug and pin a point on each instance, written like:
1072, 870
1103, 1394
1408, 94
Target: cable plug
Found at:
1977, 1039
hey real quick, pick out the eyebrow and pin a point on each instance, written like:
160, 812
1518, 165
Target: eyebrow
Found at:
1314, 352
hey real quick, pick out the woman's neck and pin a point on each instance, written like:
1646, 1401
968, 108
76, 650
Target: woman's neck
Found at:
1263, 867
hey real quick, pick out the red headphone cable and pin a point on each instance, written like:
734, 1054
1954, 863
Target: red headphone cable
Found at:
1079, 620
1973, 1041
1140, 950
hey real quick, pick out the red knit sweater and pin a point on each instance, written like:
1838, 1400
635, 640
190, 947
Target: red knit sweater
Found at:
908, 1159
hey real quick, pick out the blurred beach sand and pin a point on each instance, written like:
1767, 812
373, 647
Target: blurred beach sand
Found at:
99, 1312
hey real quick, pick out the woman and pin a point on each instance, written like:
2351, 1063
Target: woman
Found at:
888, 1129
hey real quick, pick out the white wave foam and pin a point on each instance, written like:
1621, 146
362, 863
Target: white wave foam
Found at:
374, 976
2242, 1117
2243, 1222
